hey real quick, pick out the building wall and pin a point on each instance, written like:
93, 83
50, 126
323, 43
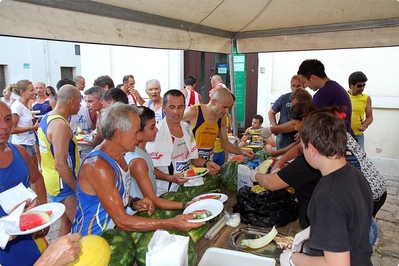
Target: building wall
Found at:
380, 66
142, 63
37, 60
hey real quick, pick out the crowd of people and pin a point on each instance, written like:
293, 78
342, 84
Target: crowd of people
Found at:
135, 150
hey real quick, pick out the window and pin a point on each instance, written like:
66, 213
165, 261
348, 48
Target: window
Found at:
2, 79
67, 72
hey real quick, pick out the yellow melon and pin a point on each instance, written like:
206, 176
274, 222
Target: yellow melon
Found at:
95, 251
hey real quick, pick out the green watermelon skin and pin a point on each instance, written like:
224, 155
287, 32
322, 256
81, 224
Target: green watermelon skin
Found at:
175, 196
171, 213
156, 215
123, 249
135, 236
142, 247
228, 175
197, 234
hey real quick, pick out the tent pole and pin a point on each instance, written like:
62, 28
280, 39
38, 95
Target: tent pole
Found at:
233, 88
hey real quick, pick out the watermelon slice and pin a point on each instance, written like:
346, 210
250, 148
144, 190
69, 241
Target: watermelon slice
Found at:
33, 219
216, 197
190, 173
200, 214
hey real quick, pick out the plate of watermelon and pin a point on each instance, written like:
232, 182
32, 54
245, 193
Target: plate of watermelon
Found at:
217, 196
37, 219
195, 172
204, 210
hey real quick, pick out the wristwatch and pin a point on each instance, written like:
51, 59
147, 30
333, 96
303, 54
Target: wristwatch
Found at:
132, 203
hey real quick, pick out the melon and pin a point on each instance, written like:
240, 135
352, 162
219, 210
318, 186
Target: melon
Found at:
33, 219
94, 251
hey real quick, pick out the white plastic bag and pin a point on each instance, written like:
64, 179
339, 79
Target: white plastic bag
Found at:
166, 249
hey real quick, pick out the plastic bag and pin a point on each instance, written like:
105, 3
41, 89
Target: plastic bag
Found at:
266, 209
167, 250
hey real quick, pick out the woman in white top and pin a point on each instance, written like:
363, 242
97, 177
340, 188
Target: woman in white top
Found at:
23, 123
7, 95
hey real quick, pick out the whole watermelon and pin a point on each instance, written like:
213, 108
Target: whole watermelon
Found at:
213, 181
192, 250
228, 175
142, 247
175, 196
136, 236
156, 215
171, 213
123, 249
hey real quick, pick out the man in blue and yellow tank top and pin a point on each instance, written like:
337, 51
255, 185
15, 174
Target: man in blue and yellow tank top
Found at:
59, 152
361, 106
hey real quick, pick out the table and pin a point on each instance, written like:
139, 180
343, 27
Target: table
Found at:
221, 239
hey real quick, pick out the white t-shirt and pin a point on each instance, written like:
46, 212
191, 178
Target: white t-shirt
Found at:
180, 163
25, 120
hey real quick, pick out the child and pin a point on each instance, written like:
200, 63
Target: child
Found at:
340, 209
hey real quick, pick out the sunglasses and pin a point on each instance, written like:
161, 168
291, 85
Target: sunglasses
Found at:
360, 86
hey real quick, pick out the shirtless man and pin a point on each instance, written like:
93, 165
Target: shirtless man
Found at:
103, 183
206, 120
59, 153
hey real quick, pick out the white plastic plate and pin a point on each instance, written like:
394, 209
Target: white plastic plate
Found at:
214, 206
57, 208
222, 199
196, 176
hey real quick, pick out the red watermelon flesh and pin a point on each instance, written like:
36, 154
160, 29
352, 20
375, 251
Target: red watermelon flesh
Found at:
190, 173
33, 219
210, 197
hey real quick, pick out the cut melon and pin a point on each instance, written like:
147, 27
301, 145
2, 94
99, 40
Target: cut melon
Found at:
264, 166
33, 219
260, 242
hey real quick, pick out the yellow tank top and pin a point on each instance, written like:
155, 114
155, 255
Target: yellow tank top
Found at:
50, 174
359, 103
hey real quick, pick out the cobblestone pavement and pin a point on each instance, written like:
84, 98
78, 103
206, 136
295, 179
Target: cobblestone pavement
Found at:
386, 249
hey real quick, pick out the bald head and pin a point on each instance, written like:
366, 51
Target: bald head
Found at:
216, 78
67, 92
221, 94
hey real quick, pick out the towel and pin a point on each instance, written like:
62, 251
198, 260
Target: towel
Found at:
160, 150
9, 221
14, 196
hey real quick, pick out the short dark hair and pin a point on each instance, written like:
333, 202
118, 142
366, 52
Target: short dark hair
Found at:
117, 95
312, 67
301, 109
102, 81
65, 81
356, 77
126, 78
258, 117
190, 80
326, 132
146, 115
175, 93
